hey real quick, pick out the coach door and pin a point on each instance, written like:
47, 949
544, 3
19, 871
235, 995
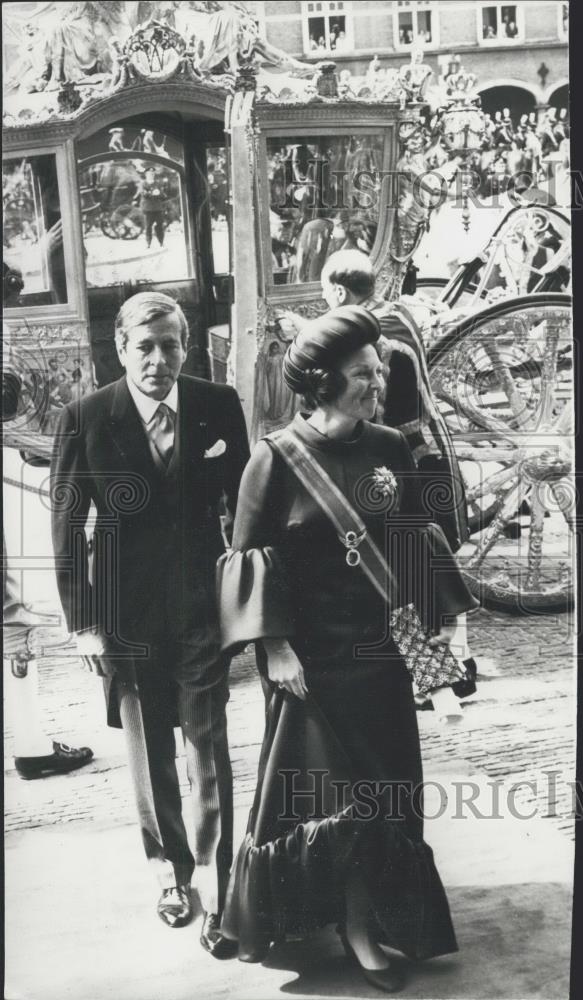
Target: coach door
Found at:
147, 215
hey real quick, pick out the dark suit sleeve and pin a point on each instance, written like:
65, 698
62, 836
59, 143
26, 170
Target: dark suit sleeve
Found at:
413, 497
70, 502
402, 399
235, 437
430, 577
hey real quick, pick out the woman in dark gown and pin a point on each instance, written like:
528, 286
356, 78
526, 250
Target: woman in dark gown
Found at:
341, 726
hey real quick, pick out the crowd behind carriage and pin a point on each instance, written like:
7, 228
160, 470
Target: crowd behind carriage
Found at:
313, 214
529, 149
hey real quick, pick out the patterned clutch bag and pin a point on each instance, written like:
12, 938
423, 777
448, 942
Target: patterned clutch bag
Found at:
430, 666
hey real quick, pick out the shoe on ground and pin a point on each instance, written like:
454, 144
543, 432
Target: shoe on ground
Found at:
213, 941
389, 980
175, 906
62, 760
466, 687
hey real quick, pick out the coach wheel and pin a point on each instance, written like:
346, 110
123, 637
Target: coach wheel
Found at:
503, 379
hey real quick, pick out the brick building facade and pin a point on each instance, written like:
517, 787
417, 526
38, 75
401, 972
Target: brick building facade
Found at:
519, 52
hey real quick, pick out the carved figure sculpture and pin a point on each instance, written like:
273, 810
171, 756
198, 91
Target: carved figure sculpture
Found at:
414, 76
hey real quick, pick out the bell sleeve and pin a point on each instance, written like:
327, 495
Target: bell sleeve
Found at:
253, 591
431, 578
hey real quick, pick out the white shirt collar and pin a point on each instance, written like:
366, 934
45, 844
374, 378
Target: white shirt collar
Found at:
146, 406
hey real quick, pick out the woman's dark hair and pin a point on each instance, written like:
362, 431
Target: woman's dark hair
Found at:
313, 359
321, 385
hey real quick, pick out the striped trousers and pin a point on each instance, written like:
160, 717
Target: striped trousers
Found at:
149, 698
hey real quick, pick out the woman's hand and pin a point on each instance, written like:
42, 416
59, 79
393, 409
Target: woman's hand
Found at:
284, 668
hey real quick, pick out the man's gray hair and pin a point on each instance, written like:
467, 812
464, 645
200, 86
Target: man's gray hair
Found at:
143, 308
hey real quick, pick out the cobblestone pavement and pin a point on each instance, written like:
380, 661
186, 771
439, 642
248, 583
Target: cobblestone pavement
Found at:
520, 728
77, 886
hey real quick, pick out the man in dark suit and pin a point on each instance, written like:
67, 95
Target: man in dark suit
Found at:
156, 453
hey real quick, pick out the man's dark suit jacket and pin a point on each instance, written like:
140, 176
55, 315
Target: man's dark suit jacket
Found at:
156, 542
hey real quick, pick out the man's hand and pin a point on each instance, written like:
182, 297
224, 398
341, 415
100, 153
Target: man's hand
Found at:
92, 649
290, 320
284, 668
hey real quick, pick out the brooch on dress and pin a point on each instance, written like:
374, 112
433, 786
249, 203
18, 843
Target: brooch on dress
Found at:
385, 481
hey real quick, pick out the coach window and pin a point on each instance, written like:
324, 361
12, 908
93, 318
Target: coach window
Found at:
33, 228
132, 205
218, 188
415, 24
500, 23
325, 194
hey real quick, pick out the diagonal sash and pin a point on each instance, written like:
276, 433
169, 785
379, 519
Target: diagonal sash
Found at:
429, 667
361, 549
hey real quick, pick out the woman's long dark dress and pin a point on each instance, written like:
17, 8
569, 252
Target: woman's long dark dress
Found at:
288, 578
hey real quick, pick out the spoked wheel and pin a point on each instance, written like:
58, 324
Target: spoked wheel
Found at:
504, 382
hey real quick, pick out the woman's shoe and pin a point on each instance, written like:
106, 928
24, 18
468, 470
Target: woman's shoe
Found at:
390, 980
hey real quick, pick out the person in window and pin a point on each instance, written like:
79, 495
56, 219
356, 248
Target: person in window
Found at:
348, 715
313, 44
341, 42
511, 29
489, 31
321, 44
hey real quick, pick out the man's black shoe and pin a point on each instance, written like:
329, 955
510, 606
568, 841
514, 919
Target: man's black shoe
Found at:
174, 906
213, 941
62, 760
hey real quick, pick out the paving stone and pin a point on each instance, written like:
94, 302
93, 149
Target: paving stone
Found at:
523, 717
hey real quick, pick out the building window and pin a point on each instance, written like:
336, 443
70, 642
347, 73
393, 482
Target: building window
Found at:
500, 23
327, 27
564, 21
415, 23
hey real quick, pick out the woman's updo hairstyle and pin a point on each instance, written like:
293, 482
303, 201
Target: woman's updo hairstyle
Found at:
311, 362
321, 385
